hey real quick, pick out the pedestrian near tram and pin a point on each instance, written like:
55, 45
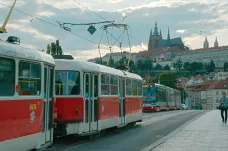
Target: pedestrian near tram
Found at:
223, 106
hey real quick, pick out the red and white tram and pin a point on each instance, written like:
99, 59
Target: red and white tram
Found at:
91, 98
26, 98
158, 97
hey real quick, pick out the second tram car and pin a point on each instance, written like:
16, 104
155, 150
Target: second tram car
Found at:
26, 98
91, 98
158, 97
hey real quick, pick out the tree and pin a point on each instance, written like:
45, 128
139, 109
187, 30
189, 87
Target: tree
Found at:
148, 65
187, 66
178, 65
111, 62
225, 66
167, 67
140, 65
132, 66
48, 49
54, 49
167, 79
211, 66
158, 67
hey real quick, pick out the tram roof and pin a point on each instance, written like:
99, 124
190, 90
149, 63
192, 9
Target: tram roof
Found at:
18, 51
62, 64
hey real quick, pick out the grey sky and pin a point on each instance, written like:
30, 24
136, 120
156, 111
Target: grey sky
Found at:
185, 18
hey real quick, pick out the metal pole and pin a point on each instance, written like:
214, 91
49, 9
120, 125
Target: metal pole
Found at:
3, 28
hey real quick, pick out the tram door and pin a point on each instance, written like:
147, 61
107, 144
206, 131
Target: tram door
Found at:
47, 127
90, 102
121, 101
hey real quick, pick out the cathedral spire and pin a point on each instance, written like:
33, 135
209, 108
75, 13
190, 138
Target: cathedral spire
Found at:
150, 40
206, 43
216, 45
156, 29
168, 37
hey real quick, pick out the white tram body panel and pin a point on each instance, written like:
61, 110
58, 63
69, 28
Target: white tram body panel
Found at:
97, 94
25, 98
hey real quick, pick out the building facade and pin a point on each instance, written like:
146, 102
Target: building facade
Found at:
218, 54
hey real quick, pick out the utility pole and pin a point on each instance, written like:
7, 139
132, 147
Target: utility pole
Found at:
3, 28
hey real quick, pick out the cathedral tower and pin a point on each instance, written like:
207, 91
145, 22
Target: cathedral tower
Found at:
206, 43
216, 45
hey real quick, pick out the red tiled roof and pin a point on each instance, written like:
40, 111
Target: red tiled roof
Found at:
211, 84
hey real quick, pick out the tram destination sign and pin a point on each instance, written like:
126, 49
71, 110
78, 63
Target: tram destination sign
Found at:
91, 29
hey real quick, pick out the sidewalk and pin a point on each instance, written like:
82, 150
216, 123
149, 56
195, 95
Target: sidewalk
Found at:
207, 133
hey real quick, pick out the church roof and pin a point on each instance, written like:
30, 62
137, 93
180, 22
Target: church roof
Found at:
174, 41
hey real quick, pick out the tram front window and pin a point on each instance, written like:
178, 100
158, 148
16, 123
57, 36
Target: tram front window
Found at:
7, 77
67, 83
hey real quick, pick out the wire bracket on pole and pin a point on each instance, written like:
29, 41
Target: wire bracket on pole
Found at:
63, 25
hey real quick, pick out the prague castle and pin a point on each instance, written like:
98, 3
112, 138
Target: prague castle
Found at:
156, 40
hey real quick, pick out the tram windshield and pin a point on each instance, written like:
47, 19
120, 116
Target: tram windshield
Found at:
67, 83
7, 76
149, 95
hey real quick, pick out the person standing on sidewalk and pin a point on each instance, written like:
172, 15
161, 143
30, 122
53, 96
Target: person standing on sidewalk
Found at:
223, 106
188, 102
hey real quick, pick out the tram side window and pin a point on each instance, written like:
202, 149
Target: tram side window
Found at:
7, 77
128, 87
105, 84
139, 88
114, 85
73, 83
67, 83
134, 88
29, 78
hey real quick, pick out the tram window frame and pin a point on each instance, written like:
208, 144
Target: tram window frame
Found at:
114, 85
66, 91
134, 85
13, 62
27, 77
128, 87
105, 84
139, 88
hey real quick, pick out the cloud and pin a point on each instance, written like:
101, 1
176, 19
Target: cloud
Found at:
32, 31
10, 3
94, 53
180, 31
46, 13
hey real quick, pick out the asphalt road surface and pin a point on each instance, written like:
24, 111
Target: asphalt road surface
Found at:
154, 127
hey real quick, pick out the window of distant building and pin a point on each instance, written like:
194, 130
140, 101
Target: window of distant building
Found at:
217, 93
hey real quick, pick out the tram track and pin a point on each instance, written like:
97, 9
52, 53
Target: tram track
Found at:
66, 142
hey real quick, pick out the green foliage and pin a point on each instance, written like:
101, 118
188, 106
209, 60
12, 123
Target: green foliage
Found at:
167, 67
54, 48
178, 65
158, 67
210, 67
146, 65
167, 79
225, 66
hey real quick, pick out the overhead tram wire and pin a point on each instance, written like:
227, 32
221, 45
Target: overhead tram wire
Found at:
103, 18
47, 22
209, 18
